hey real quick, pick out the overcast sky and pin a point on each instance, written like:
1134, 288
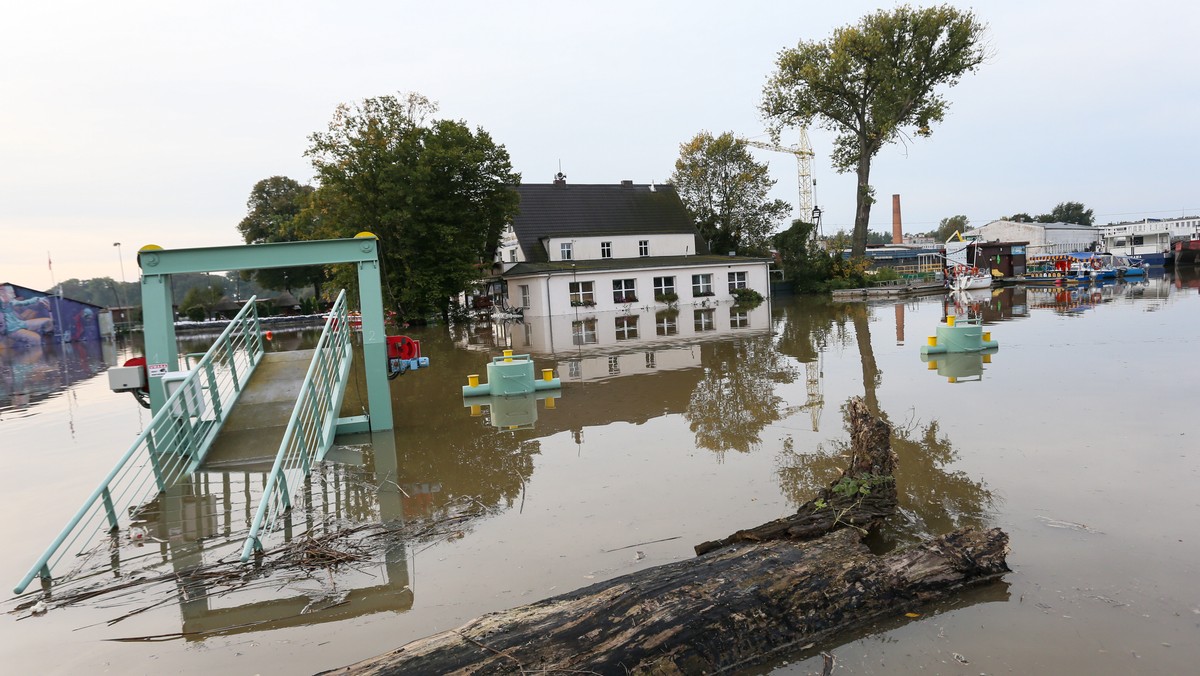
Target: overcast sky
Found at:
149, 122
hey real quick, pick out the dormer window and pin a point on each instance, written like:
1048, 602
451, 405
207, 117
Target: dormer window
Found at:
565, 250
606, 249
644, 247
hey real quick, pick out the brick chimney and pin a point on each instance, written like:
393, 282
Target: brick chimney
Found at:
897, 229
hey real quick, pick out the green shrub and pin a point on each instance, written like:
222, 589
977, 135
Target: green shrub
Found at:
196, 313
886, 274
744, 296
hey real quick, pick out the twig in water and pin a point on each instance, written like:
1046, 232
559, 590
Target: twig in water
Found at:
638, 544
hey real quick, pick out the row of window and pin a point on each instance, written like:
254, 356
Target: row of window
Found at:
567, 249
583, 332
625, 290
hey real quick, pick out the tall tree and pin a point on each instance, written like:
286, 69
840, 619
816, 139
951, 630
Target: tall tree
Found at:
276, 212
951, 225
869, 81
726, 192
1068, 212
436, 193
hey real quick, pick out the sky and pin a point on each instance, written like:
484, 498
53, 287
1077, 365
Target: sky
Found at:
150, 122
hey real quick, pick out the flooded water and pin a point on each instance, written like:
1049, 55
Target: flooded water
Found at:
1075, 437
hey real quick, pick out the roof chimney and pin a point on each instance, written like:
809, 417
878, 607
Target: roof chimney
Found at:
627, 183
897, 230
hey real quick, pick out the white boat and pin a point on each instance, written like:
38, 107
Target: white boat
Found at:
961, 274
963, 278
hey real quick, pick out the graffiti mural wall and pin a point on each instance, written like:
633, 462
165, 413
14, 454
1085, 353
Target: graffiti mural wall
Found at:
31, 317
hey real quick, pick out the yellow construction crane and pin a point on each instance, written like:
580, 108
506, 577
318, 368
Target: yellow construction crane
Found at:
804, 156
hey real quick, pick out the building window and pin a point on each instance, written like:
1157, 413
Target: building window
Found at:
512, 255
737, 280
651, 361
627, 327
702, 285
565, 250
644, 247
606, 249
664, 286
666, 323
738, 319
624, 291
614, 365
581, 294
584, 332
525, 295
705, 320
574, 370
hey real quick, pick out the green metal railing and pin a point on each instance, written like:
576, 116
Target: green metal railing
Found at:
172, 445
312, 426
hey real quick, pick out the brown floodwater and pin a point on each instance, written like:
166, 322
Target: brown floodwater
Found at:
1075, 437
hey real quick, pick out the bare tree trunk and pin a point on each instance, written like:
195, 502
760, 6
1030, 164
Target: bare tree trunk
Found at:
872, 465
863, 201
731, 609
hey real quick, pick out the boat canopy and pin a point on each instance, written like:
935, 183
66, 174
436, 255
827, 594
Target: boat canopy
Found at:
1078, 255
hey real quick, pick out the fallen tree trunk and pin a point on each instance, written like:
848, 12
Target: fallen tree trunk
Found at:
733, 608
759, 592
862, 497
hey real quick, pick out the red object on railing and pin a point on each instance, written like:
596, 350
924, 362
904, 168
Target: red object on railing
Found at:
403, 347
140, 361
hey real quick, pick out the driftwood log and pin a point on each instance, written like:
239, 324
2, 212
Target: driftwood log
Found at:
872, 465
760, 593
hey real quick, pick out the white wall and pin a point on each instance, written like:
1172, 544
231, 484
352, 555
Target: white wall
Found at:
551, 294
624, 246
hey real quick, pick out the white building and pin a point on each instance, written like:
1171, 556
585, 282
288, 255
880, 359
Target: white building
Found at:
614, 248
1042, 238
1150, 239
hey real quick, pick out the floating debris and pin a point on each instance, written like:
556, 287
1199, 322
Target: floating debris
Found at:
1069, 525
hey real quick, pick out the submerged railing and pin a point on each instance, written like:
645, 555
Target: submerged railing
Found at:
172, 445
312, 426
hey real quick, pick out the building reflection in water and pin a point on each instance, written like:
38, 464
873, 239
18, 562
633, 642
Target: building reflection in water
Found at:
31, 374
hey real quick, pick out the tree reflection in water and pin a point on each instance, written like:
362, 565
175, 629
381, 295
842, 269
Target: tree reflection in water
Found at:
735, 398
932, 499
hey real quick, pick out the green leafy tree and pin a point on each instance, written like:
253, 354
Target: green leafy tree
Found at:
869, 81
1068, 212
950, 225
803, 259
276, 212
436, 193
204, 297
725, 190
874, 238
1020, 217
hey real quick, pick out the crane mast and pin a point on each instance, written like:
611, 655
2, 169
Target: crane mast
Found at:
804, 156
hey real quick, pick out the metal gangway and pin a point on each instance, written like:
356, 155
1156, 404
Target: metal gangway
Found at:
199, 403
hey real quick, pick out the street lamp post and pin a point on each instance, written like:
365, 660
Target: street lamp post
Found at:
121, 261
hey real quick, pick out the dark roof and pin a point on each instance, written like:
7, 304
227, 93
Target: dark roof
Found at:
566, 210
594, 265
